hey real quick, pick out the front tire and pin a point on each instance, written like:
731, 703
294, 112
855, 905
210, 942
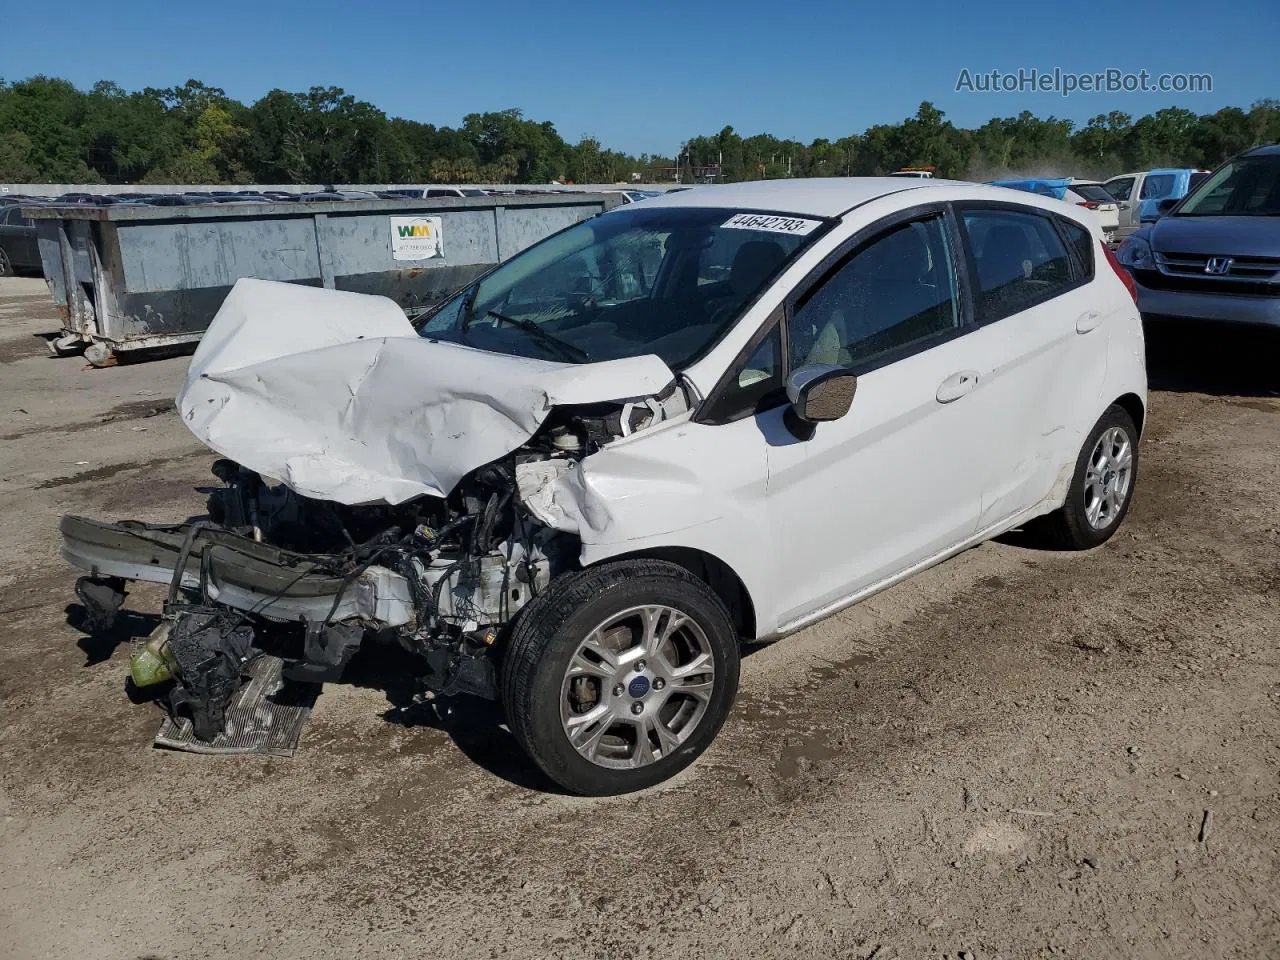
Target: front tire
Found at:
6, 267
1102, 487
620, 676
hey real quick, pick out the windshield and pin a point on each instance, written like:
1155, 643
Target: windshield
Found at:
1248, 186
640, 280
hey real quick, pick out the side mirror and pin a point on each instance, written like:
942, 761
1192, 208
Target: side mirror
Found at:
818, 392
1164, 206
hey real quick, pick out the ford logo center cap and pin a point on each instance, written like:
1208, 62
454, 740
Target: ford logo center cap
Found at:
638, 687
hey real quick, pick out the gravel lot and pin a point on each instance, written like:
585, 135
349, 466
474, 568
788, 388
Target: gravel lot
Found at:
1017, 754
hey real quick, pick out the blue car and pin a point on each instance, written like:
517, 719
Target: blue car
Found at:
1215, 254
1166, 184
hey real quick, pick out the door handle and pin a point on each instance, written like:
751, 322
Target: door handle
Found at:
1087, 321
957, 385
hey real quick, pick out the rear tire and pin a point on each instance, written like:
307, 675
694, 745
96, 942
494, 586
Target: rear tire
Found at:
620, 676
1102, 487
6, 267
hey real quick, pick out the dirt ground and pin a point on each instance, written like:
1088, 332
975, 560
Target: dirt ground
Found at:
1017, 754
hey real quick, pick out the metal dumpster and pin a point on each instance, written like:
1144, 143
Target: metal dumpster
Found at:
135, 278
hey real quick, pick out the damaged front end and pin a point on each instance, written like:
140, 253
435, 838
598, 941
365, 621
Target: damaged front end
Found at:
442, 577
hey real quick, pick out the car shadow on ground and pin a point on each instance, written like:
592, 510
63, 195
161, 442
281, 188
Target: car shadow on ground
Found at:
1213, 358
100, 645
476, 726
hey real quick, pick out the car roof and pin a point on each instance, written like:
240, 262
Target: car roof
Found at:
828, 196
814, 197
1267, 150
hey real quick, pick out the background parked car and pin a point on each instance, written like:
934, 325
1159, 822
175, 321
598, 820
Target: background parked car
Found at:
18, 250
1131, 190
1093, 196
1215, 255
1082, 193
430, 192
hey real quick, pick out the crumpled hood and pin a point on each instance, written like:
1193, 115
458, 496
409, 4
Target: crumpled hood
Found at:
336, 395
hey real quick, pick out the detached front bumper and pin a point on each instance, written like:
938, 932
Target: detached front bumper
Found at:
238, 572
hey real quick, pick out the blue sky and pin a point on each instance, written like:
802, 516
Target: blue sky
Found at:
645, 76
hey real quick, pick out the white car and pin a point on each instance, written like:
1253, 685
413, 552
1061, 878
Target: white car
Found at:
710, 418
1092, 195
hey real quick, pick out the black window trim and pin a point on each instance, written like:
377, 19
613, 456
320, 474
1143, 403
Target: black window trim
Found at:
1077, 279
822, 272
707, 410
1081, 272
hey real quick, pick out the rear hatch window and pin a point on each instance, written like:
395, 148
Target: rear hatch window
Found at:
1092, 192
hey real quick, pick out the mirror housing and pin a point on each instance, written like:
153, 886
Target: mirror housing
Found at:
819, 392
1164, 206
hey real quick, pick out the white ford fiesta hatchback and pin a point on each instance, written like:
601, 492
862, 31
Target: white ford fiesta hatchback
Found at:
582, 482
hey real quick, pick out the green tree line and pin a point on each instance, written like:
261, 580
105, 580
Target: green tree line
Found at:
1023, 145
53, 132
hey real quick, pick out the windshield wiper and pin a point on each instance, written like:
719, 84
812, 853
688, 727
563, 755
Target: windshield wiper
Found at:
563, 347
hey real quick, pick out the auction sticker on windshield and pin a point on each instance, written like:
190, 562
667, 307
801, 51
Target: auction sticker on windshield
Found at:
416, 238
771, 223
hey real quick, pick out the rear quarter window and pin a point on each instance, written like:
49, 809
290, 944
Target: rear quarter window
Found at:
1081, 243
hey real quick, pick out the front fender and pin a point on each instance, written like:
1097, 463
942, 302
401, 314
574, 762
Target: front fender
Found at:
688, 485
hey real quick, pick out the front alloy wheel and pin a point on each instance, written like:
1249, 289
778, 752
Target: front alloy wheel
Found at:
620, 675
637, 687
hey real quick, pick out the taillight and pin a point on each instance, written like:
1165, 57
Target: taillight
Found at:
1125, 276
1089, 204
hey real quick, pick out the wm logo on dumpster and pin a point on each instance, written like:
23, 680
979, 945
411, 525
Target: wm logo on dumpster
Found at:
416, 238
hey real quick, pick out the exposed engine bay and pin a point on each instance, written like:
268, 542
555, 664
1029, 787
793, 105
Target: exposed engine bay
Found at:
443, 577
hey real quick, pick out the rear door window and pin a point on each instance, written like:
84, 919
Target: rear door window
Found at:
1019, 260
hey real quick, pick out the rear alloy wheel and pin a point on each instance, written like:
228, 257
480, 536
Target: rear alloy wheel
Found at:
620, 676
6, 267
1102, 487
